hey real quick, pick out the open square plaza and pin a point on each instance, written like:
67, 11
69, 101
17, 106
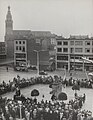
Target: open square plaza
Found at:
27, 85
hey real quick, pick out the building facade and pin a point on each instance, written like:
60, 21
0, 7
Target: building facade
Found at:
25, 53
20, 52
69, 52
20, 44
2, 51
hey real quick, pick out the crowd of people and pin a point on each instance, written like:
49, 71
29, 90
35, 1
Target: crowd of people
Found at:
31, 109
22, 83
10, 86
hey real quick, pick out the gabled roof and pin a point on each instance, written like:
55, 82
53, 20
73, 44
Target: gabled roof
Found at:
28, 33
19, 34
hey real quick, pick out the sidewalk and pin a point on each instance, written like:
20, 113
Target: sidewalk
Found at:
6, 61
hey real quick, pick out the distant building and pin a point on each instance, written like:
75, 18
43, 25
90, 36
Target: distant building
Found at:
20, 44
25, 53
46, 39
2, 51
69, 52
20, 52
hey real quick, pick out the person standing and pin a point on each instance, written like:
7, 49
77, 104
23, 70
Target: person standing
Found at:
84, 98
7, 68
18, 92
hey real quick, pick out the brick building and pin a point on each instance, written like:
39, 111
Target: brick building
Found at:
2, 51
34, 40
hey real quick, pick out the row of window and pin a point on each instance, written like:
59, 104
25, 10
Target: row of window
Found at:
87, 50
78, 50
20, 55
62, 58
64, 43
59, 57
2, 52
20, 42
60, 49
74, 42
80, 57
20, 48
2, 48
23, 42
2, 44
2, 56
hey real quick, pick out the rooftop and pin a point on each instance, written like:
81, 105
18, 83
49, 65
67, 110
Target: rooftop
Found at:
79, 37
22, 34
75, 37
61, 38
42, 33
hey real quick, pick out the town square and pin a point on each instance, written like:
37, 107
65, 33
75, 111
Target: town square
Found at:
46, 60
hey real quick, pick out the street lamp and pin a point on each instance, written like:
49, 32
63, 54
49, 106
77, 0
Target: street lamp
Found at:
38, 59
86, 74
20, 105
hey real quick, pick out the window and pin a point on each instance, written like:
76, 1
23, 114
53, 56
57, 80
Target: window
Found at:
20, 48
2, 48
18, 55
78, 42
59, 43
65, 49
62, 58
53, 41
16, 47
19, 42
37, 40
71, 42
87, 42
23, 49
59, 49
87, 50
16, 42
23, 42
92, 50
72, 57
78, 49
71, 50
65, 43
90, 58
77, 57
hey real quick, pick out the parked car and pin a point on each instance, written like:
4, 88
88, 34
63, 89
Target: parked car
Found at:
21, 68
33, 67
43, 73
79, 69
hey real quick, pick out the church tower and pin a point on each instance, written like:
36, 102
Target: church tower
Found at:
9, 40
9, 23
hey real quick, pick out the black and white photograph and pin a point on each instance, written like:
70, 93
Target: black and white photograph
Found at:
46, 59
